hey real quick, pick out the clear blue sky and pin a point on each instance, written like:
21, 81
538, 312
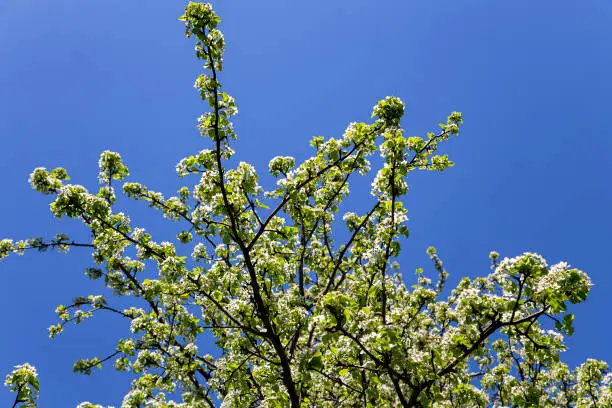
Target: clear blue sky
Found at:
532, 164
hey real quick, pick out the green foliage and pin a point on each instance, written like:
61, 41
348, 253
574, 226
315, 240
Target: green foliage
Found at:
300, 319
23, 381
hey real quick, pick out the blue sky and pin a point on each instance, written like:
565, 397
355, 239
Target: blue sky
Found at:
532, 164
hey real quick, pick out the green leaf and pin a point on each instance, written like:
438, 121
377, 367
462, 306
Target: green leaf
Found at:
316, 362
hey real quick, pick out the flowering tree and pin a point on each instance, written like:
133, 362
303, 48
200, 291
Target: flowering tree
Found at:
300, 318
